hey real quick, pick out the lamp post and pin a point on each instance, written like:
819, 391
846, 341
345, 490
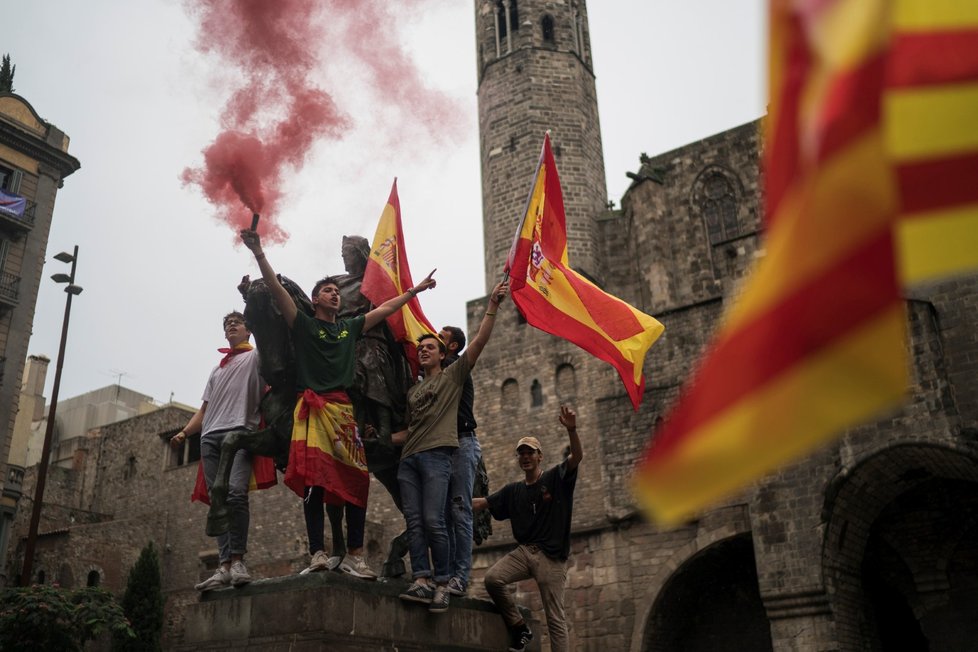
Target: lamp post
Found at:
42, 470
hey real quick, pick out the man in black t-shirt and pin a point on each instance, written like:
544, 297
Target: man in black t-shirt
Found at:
539, 509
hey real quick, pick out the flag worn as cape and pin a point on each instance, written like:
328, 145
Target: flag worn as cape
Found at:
388, 275
870, 150
262, 477
558, 300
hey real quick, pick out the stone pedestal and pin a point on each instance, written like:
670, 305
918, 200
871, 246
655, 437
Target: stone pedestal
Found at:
330, 611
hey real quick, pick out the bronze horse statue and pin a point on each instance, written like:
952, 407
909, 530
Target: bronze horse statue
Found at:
276, 354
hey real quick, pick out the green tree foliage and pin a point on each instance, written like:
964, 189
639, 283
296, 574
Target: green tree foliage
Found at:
143, 604
51, 619
7, 75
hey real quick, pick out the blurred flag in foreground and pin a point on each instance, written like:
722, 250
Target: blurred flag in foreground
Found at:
870, 168
558, 300
388, 275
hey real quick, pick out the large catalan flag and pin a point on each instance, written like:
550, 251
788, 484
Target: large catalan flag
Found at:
558, 300
388, 275
931, 132
870, 174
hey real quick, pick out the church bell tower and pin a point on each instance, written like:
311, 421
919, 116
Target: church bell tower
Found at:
535, 74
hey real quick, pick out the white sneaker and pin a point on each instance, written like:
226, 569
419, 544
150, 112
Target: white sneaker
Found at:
357, 567
239, 574
218, 580
320, 562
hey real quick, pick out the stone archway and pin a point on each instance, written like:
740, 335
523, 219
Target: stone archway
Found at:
710, 602
900, 555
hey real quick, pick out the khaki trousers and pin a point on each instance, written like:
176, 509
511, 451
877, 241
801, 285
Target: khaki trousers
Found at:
523, 563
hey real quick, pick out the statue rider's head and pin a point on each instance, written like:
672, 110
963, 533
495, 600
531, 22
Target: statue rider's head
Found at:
355, 251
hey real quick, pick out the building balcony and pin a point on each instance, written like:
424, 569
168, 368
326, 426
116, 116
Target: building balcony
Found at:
16, 213
9, 290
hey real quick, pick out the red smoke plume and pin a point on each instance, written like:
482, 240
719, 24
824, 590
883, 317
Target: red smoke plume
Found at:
276, 116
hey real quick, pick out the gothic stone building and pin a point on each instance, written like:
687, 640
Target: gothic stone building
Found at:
869, 544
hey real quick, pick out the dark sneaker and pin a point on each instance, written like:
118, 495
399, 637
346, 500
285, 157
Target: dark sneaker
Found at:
519, 637
218, 580
455, 587
439, 602
239, 574
418, 592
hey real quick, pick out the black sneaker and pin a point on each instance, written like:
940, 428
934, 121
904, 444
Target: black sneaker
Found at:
519, 637
418, 592
439, 602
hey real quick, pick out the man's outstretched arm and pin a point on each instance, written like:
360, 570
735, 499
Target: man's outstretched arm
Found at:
568, 419
283, 300
389, 307
474, 350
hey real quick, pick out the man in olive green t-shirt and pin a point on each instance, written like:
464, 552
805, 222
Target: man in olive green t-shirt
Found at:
425, 470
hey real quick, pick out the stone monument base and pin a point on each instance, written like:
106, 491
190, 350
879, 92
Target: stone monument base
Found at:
334, 612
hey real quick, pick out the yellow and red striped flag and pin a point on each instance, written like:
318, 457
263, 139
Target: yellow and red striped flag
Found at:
388, 275
931, 118
558, 300
817, 341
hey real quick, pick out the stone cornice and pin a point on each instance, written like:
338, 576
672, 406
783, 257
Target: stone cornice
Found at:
37, 149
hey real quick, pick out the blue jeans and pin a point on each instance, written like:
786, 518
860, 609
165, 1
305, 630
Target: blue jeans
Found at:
424, 478
235, 541
458, 511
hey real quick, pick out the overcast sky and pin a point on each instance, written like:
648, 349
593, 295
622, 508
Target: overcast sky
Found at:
139, 102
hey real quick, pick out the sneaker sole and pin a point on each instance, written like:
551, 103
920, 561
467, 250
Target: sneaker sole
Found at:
412, 598
438, 610
457, 594
240, 582
358, 575
210, 587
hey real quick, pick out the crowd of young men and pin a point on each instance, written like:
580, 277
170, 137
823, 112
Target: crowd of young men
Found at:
439, 456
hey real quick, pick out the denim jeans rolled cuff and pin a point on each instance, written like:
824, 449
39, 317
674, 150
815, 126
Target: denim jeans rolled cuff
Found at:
424, 478
235, 540
465, 461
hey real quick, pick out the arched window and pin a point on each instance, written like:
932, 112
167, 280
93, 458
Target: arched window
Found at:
513, 22
510, 394
41, 577
94, 578
566, 383
715, 197
536, 393
547, 27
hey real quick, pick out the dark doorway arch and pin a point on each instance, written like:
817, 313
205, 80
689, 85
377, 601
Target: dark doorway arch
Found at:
900, 556
712, 602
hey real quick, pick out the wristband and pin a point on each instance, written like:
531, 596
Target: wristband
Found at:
260, 256
490, 314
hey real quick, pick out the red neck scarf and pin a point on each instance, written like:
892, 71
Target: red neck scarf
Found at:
230, 353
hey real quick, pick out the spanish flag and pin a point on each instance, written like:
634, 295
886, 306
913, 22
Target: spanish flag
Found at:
870, 169
388, 275
557, 300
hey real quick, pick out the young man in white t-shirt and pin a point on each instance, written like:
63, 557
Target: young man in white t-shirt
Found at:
230, 402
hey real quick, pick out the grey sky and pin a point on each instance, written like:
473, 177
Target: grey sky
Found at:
139, 103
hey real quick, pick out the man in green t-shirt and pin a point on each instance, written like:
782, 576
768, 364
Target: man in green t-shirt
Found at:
326, 457
425, 470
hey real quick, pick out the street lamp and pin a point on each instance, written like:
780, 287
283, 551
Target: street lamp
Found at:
42, 470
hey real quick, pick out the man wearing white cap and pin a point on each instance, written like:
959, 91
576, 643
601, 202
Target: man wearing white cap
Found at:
539, 508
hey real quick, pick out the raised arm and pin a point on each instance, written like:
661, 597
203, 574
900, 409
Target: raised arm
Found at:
568, 419
474, 350
281, 297
389, 307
